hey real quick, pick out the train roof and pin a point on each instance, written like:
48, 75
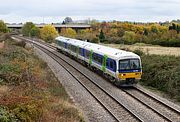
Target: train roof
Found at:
112, 52
100, 49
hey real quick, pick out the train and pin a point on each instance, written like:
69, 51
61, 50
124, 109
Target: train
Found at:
123, 68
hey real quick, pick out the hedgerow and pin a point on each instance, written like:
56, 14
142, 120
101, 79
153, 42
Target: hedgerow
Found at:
162, 73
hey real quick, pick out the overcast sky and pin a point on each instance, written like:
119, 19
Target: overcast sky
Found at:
49, 11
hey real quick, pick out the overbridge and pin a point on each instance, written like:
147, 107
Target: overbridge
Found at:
57, 26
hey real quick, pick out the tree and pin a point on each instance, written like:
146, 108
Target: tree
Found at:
48, 33
3, 27
69, 32
101, 36
120, 32
154, 29
145, 32
68, 20
26, 29
129, 37
35, 32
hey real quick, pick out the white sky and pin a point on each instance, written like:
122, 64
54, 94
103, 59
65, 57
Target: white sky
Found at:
49, 11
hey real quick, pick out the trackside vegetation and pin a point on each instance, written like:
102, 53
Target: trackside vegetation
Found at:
164, 34
161, 73
29, 91
47, 33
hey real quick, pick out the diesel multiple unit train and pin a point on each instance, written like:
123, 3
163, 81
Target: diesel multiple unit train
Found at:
121, 67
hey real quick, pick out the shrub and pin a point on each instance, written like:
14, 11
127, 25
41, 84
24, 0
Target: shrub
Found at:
95, 40
138, 52
5, 116
162, 73
28, 113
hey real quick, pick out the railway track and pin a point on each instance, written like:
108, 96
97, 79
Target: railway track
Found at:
164, 110
119, 111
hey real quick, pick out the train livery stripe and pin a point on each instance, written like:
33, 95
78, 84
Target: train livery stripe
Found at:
90, 57
104, 63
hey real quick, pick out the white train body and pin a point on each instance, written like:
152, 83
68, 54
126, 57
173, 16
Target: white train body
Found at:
121, 67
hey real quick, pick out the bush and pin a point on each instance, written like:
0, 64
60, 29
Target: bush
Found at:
5, 116
28, 113
162, 73
95, 40
138, 52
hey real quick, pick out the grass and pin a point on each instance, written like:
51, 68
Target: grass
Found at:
29, 91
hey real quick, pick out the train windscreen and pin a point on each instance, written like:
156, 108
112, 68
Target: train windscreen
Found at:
129, 64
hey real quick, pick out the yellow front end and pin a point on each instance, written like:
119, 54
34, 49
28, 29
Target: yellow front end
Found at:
134, 75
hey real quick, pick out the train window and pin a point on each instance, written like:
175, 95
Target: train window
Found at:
61, 44
81, 51
69, 46
94, 56
65, 45
129, 64
97, 58
73, 48
87, 54
111, 64
100, 59
107, 63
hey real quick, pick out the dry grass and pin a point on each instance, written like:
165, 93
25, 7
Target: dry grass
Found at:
39, 96
148, 49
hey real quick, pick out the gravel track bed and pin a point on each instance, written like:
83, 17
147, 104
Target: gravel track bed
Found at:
120, 113
175, 117
144, 113
92, 110
124, 98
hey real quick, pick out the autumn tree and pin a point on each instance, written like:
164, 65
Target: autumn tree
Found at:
120, 32
48, 33
129, 37
26, 29
69, 32
154, 29
3, 27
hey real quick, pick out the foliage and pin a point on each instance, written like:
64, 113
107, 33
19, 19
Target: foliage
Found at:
163, 73
175, 27
33, 92
48, 33
101, 36
138, 52
3, 27
164, 34
27, 112
35, 32
129, 37
5, 116
67, 20
69, 32
26, 29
